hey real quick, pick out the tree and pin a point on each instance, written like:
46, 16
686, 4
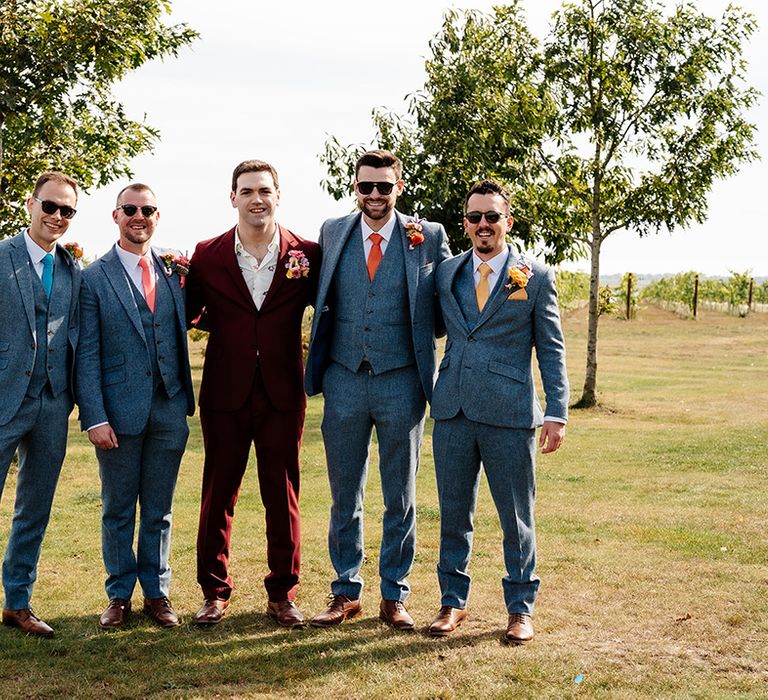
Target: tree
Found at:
622, 119
58, 61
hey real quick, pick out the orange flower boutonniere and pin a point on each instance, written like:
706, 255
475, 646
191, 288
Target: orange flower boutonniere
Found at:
414, 232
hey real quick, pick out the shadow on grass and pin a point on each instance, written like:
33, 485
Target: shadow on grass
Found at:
246, 650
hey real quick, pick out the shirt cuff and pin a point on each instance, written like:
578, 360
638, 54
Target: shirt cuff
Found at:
98, 425
554, 419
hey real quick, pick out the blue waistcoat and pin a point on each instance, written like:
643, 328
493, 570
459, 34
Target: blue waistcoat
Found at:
160, 332
51, 325
372, 319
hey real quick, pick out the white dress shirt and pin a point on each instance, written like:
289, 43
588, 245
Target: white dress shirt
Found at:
258, 276
36, 254
130, 262
385, 232
496, 263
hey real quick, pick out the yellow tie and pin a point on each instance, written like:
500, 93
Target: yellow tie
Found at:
482, 291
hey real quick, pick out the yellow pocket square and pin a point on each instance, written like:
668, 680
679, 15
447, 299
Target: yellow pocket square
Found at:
518, 294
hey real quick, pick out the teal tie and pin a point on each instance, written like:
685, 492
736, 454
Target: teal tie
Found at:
48, 274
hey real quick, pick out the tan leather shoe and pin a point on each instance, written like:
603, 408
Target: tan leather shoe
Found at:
519, 629
447, 621
27, 622
393, 612
161, 611
116, 613
341, 608
286, 613
212, 611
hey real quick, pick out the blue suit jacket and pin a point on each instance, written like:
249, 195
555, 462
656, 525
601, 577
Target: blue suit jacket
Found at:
113, 381
18, 328
486, 371
420, 266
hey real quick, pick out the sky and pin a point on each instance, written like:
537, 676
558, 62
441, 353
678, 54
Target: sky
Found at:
273, 80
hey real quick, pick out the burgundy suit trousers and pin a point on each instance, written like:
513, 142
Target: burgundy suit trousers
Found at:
228, 436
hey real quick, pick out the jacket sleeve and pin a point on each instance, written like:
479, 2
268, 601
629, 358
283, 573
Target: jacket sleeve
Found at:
88, 394
550, 348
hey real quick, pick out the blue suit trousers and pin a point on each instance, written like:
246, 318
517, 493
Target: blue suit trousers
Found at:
39, 432
142, 469
507, 455
355, 402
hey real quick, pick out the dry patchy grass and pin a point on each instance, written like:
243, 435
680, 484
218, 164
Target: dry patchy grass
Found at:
652, 553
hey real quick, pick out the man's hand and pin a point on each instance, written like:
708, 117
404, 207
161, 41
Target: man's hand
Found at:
551, 436
104, 437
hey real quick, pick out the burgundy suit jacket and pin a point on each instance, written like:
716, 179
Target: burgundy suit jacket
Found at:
243, 337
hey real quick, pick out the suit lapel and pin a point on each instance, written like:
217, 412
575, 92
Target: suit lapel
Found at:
22, 268
115, 273
453, 302
412, 259
500, 293
173, 287
331, 253
279, 277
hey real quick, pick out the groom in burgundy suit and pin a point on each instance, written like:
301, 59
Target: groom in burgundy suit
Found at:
252, 285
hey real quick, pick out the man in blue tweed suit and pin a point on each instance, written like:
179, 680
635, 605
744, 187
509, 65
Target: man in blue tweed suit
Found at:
372, 354
39, 285
134, 389
497, 306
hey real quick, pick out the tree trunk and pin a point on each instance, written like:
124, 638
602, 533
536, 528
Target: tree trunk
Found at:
589, 394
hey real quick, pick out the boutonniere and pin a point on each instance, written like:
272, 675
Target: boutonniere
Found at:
297, 265
74, 250
518, 279
413, 232
174, 263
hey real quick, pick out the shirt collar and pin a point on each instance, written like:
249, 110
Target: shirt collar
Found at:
496, 263
130, 260
36, 253
274, 244
385, 231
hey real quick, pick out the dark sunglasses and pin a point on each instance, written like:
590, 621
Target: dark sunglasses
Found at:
475, 217
50, 207
131, 209
384, 188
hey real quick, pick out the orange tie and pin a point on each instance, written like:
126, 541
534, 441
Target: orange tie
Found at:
374, 257
482, 291
148, 282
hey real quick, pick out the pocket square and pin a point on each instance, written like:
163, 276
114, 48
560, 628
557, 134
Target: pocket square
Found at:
518, 294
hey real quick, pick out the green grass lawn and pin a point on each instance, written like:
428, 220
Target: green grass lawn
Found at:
652, 549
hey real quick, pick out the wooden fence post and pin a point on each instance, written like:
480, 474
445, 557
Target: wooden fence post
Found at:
629, 296
695, 295
749, 298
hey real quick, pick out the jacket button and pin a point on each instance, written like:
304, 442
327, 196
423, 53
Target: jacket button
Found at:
33, 346
149, 374
28, 373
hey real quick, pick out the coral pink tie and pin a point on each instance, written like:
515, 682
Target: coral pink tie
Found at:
374, 257
148, 282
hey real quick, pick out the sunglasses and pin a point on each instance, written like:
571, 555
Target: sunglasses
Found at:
384, 188
50, 207
131, 209
475, 217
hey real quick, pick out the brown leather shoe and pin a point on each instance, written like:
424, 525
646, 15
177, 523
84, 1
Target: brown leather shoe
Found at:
519, 629
212, 611
393, 612
116, 613
447, 620
27, 622
341, 608
286, 613
161, 611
